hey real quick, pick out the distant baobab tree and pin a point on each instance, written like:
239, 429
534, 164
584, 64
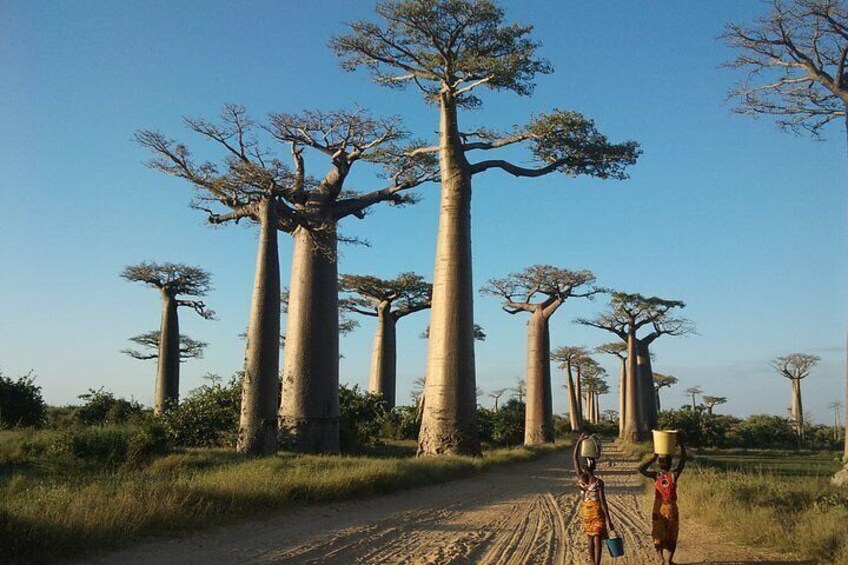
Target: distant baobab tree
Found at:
520, 390
540, 291
611, 415
693, 391
712, 401
619, 350
796, 367
594, 385
173, 280
388, 300
837, 409
795, 58
189, 348
496, 395
448, 49
662, 381
254, 184
627, 314
570, 358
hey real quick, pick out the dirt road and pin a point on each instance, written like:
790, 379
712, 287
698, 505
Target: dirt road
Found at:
519, 514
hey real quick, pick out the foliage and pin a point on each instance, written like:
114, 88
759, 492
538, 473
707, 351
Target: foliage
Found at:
508, 423
101, 407
605, 428
21, 403
361, 418
113, 447
401, 422
207, 417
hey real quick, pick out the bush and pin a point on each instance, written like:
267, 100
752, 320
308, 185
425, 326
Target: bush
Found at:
508, 424
401, 422
21, 403
101, 407
114, 447
764, 431
361, 418
603, 428
207, 417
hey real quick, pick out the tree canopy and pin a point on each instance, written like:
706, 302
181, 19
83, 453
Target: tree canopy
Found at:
406, 294
795, 366
189, 348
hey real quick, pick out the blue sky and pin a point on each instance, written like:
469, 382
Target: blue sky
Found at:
743, 222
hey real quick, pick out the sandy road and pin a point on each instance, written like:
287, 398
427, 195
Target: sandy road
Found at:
524, 513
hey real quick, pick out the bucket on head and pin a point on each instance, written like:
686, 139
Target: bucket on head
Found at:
590, 448
615, 545
665, 442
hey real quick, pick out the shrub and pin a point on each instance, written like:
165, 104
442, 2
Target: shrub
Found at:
401, 422
361, 417
508, 424
207, 417
101, 407
763, 430
113, 446
21, 403
602, 428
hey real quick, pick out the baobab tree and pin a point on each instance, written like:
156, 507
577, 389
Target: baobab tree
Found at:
189, 348
795, 59
540, 291
254, 184
388, 300
619, 350
496, 395
569, 358
627, 314
594, 385
173, 280
712, 401
449, 49
662, 381
796, 367
693, 391
837, 409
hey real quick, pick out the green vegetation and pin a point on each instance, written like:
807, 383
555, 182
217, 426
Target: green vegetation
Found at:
778, 499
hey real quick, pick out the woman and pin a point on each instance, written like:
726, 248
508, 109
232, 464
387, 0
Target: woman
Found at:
665, 518
596, 516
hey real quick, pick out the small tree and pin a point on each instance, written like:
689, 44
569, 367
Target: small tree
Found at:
662, 381
388, 300
189, 348
21, 403
173, 280
694, 391
519, 291
496, 395
712, 401
796, 367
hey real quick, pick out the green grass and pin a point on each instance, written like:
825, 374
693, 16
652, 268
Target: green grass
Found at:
51, 508
775, 499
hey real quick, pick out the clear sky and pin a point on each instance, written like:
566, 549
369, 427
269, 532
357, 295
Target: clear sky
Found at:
744, 223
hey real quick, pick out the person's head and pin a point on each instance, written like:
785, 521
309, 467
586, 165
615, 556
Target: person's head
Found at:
591, 464
664, 462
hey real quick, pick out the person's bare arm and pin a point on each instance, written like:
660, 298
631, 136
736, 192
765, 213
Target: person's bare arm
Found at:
679, 470
610, 525
643, 468
574, 459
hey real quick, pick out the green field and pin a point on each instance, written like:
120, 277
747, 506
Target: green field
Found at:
772, 461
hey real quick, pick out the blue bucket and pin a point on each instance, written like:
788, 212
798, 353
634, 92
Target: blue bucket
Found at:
615, 546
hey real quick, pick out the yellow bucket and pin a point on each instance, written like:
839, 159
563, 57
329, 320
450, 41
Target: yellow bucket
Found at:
665, 442
590, 448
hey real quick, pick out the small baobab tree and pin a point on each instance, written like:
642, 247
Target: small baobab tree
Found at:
662, 381
837, 411
570, 358
253, 183
449, 50
796, 60
711, 402
173, 280
694, 391
189, 348
627, 314
496, 395
540, 291
388, 300
796, 367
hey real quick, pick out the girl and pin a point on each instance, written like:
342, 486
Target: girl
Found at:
596, 516
665, 518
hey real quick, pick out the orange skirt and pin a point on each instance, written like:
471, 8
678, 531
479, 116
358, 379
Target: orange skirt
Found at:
594, 520
665, 524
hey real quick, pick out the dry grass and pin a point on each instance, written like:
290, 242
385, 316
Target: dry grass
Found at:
44, 513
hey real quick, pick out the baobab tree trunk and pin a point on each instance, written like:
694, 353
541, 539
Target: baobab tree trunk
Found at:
580, 415
309, 411
539, 418
449, 422
659, 405
622, 397
597, 409
841, 477
167, 391
384, 358
799, 409
632, 422
258, 420
573, 410
646, 381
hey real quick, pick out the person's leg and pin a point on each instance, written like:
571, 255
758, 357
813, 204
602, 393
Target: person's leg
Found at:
599, 546
591, 549
660, 555
671, 555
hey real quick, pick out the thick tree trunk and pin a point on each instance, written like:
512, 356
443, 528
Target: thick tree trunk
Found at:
646, 377
580, 413
538, 419
449, 422
167, 392
573, 410
597, 408
258, 421
309, 411
384, 357
799, 409
622, 397
633, 421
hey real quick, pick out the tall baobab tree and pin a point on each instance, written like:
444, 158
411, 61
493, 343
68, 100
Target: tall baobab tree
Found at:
189, 348
796, 367
173, 280
795, 59
496, 395
627, 314
694, 391
449, 49
570, 358
540, 291
712, 401
252, 183
388, 300
662, 381
619, 350
837, 409
594, 385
